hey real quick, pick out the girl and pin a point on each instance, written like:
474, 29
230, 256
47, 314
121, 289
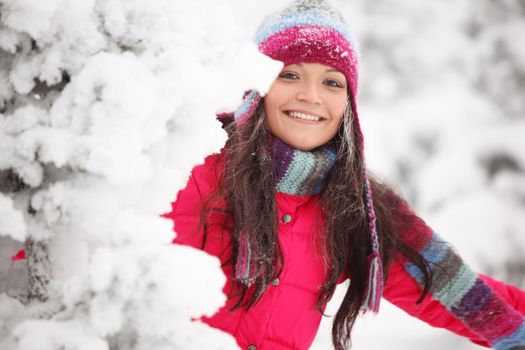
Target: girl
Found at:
290, 210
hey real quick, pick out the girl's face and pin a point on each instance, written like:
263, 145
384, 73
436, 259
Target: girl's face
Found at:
305, 104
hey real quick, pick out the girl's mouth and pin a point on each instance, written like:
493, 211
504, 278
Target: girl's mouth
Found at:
304, 117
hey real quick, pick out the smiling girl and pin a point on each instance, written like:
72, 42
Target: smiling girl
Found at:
291, 211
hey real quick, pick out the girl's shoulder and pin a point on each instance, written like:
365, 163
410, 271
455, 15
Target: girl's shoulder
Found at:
206, 174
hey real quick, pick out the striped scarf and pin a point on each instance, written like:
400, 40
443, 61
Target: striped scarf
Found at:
304, 173
296, 172
301, 173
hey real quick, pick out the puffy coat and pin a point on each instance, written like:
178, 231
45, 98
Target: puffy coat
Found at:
285, 316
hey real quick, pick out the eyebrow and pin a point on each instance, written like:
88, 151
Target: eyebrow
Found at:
328, 70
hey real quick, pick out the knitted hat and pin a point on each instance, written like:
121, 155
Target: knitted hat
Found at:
311, 31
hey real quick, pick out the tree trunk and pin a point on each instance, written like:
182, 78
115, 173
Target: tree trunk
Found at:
37, 255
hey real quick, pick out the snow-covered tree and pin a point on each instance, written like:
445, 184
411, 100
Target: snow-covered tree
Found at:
101, 119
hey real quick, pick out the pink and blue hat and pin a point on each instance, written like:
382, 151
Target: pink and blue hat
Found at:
309, 31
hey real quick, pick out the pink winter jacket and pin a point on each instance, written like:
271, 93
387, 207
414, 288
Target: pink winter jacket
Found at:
285, 317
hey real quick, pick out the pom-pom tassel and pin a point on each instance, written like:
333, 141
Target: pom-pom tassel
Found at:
374, 286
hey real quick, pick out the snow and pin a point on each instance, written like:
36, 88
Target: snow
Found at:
29, 335
105, 106
32, 17
11, 220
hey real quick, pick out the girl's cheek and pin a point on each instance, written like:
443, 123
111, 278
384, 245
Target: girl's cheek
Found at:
280, 89
337, 103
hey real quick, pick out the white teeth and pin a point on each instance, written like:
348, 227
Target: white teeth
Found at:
304, 116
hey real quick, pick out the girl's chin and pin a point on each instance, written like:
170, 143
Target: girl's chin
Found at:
301, 145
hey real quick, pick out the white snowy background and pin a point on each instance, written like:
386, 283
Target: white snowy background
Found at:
105, 106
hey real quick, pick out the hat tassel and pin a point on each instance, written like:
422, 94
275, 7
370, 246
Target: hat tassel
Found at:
374, 286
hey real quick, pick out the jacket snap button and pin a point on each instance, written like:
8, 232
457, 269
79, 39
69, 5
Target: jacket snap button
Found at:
287, 218
275, 282
251, 347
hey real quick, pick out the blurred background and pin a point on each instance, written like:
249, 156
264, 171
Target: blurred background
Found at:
443, 111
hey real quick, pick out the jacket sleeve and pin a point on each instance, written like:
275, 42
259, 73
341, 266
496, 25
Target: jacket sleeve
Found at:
486, 311
403, 291
189, 205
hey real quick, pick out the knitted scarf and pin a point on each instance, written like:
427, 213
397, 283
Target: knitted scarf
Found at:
296, 172
304, 173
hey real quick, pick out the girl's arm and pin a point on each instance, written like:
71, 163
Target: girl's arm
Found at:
484, 310
403, 291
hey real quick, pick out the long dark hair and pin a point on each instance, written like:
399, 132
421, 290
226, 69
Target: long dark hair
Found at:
247, 186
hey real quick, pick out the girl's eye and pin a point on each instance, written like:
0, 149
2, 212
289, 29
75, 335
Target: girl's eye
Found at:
288, 75
333, 83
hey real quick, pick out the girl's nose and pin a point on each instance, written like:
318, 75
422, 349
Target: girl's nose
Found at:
309, 93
